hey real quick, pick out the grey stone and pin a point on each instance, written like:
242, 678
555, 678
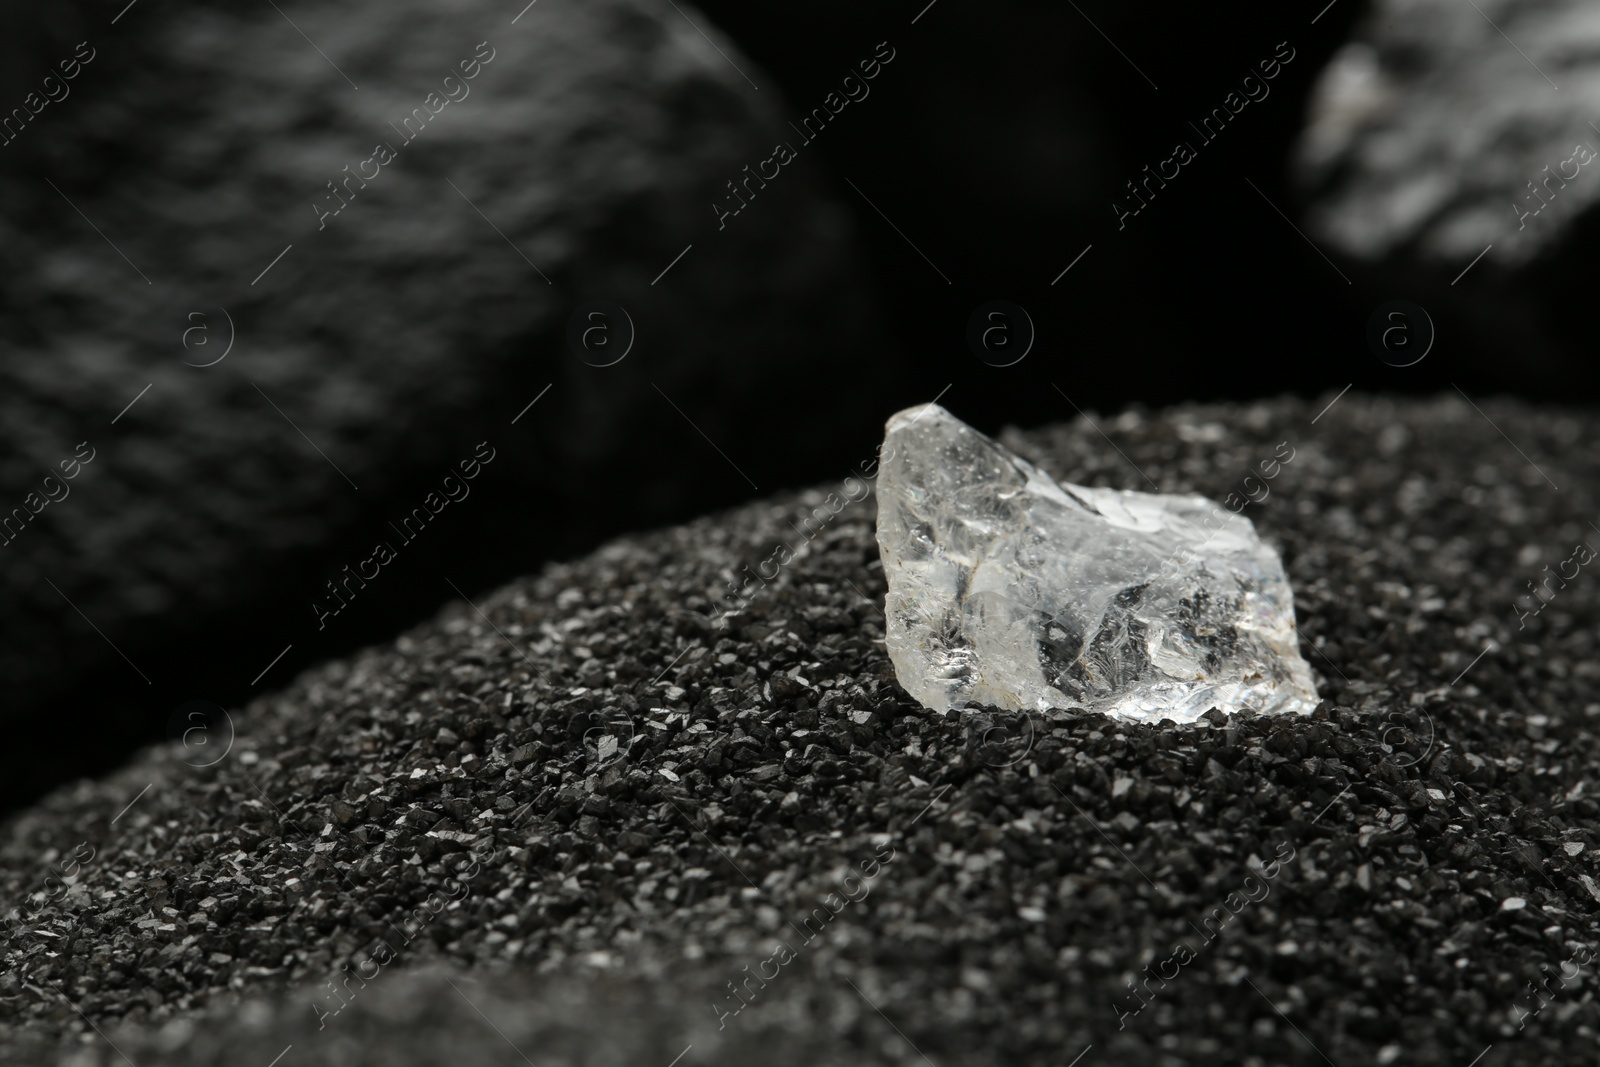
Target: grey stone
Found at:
387, 342
1426, 135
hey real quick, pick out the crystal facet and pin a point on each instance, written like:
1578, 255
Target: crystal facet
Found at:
1009, 589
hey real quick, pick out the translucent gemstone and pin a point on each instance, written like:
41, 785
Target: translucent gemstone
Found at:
1009, 589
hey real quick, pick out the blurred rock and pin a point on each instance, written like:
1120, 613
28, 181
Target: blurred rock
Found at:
385, 342
1439, 132
1430, 131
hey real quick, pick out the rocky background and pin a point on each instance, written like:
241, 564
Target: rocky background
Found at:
153, 192
385, 345
654, 800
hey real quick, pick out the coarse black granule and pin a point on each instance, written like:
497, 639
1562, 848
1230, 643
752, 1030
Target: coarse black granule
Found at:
657, 802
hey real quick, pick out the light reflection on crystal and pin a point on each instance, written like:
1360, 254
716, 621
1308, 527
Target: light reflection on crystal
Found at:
1008, 589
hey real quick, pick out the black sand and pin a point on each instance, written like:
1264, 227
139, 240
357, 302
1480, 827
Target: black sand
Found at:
1432, 825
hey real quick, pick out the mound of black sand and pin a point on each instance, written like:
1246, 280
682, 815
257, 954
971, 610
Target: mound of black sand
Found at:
619, 830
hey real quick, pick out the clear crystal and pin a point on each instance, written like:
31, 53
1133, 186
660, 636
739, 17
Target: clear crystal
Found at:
1009, 589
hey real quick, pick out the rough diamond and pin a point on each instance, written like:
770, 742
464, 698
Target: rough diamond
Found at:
1011, 590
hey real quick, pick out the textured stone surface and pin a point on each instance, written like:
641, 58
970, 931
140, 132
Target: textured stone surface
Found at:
1440, 164
1008, 589
1425, 132
197, 140
1444, 842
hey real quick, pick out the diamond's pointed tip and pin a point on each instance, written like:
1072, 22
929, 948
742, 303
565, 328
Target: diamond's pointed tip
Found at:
924, 414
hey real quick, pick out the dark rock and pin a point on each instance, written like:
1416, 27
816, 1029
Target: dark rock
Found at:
1431, 130
343, 814
1438, 135
205, 519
